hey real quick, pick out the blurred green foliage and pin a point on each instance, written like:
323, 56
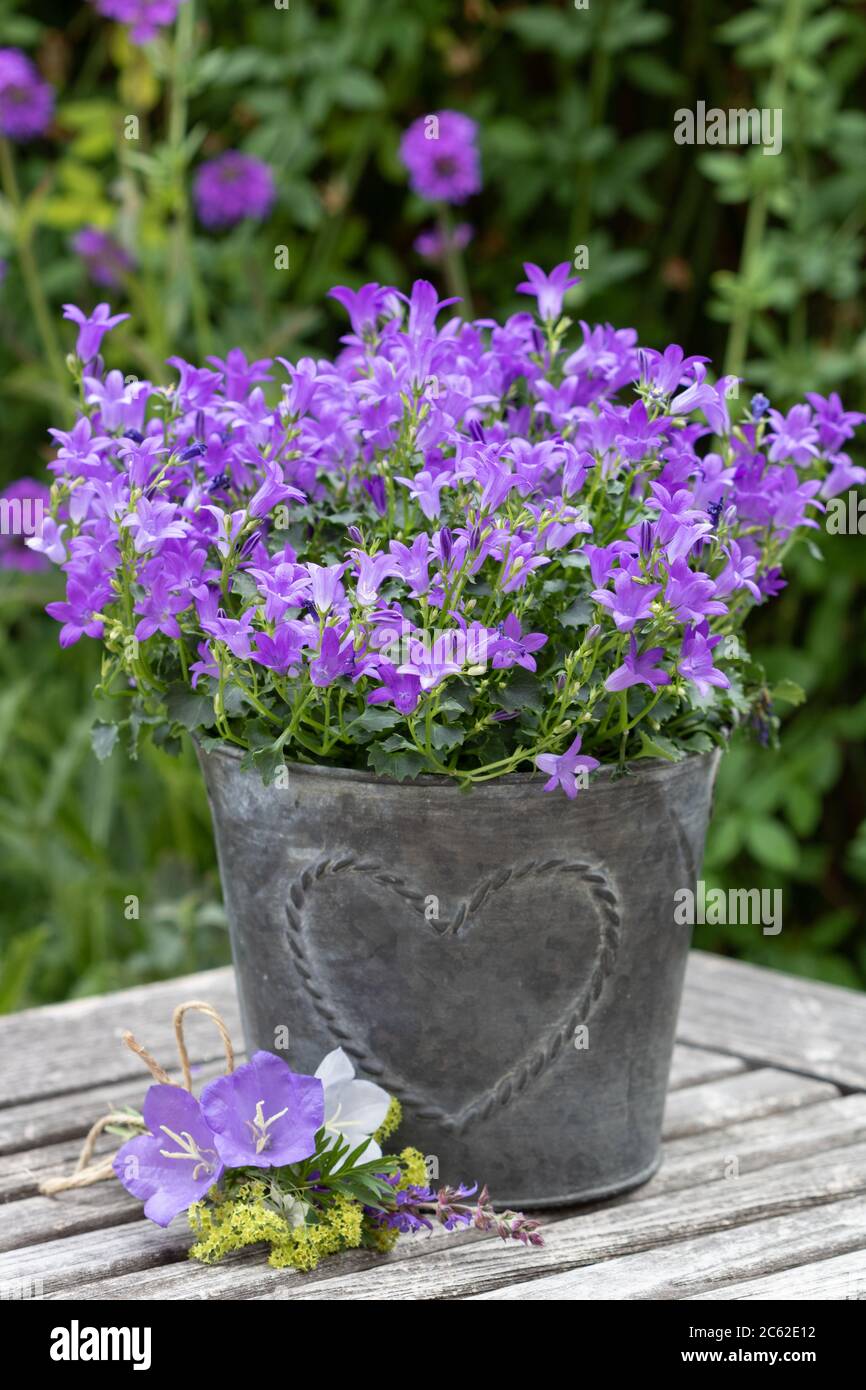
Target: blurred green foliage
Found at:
755, 261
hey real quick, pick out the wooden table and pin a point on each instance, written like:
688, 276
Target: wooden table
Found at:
762, 1194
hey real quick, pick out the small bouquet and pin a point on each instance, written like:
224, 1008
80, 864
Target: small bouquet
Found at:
267, 1155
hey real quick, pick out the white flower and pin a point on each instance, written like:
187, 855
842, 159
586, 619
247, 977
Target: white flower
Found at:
353, 1108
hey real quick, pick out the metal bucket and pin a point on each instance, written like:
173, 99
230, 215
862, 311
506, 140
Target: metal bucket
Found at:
505, 962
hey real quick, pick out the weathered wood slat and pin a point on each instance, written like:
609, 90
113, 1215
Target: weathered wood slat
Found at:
701, 1267
603, 1234
76, 1046
766, 1016
26, 1225
691, 1066
25, 1128
749, 1095
842, 1277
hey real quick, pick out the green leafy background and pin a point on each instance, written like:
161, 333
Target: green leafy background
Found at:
107, 872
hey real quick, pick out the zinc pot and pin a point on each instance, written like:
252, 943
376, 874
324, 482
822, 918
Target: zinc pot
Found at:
504, 961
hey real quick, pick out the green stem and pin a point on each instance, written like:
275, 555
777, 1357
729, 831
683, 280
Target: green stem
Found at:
30, 270
455, 270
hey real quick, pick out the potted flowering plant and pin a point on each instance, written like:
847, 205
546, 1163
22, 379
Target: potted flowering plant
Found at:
455, 620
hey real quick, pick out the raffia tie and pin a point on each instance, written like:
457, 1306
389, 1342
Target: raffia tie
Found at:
86, 1171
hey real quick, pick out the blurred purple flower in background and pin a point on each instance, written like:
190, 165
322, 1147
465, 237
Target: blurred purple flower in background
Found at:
105, 260
26, 99
232, 187
435, 244
144, 17
441, 154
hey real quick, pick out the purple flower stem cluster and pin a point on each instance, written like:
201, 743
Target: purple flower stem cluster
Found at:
420, 1208
460, 547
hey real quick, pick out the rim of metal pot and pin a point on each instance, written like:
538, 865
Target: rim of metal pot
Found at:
644, 767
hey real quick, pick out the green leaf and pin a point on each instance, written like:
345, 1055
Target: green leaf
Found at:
103, 737
772, 844
789, 691
400, 764
523, 691
578, 614
659, 747
189, 709
441, 736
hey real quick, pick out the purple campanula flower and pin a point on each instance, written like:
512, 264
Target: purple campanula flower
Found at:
285, 586
441, 155
154, 522
363, 306
666, 371
413, 563
638, 670
834, 423
711, 400
791, 500
691, 594
236, 633
273, 491
48, 542
403, 691
793, 436
843, 475
738, 573
371, 570
159, 609
121, 404
283, 651
26, 100
425, 489
603, 560
29, 539
325, 587
696, 660
564, 767
177, 1162
629, 602
550, 289
231, 188
92, 328
758, 406
107, 262
513, 647
240, 375
771, 583
336, 658
205, 666
264, 1115
78, 612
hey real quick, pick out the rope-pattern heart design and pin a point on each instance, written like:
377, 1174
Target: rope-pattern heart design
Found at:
541, 1055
